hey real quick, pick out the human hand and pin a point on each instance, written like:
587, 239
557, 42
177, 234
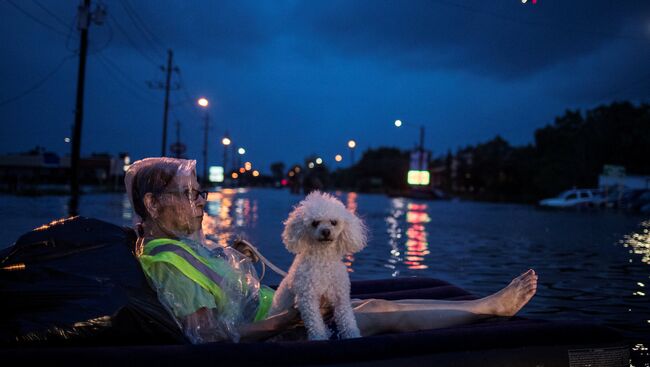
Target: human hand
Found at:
245, 248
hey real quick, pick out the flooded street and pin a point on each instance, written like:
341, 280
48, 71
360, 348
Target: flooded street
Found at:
592, 265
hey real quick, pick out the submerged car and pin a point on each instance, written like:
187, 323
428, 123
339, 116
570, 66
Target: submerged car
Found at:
575, 198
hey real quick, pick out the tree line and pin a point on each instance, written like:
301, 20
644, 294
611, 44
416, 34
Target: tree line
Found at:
570, 152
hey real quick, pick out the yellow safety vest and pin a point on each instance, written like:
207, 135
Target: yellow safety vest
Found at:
208, 273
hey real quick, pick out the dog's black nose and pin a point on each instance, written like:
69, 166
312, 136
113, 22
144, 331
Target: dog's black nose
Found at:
325, 232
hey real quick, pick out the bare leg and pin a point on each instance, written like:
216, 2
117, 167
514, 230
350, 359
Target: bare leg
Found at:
376, 315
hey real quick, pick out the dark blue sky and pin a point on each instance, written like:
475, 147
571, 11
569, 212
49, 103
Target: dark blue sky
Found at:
287, 79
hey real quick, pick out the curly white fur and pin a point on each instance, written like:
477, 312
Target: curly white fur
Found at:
320, 231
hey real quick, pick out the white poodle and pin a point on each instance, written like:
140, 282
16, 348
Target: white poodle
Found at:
320, 231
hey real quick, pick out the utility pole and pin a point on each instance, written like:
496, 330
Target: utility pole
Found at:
85, 16
178, 138
205, 149
421, 147
167, 87
170, 55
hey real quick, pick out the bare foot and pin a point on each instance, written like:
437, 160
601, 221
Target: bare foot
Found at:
509, 300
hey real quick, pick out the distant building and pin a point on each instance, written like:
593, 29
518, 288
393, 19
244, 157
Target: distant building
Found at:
615, 176
40, 168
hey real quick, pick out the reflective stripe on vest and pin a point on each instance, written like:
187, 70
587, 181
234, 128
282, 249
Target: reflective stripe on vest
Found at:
188, 262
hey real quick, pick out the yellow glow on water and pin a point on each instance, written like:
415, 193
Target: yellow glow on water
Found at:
215, 196
640, 242
417, 217
352, 201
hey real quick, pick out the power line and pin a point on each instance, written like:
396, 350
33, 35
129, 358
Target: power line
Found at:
133, 44
37, 20
108, 41
52, 14
37, 84
144, 25
116, 72
188, 98
140, 26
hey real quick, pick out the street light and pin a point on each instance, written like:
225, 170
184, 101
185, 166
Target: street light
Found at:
351, 145
398, 123
338, 158
226, 142
203, 102
241, 152
319, 161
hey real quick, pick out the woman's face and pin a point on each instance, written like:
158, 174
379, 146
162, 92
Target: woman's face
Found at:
181, 206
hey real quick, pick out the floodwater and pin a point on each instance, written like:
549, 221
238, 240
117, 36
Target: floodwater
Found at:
592, 265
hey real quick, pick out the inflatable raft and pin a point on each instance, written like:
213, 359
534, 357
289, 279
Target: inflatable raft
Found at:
73, 294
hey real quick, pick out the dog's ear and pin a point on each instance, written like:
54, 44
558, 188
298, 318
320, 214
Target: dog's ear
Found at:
354, 236
294, 231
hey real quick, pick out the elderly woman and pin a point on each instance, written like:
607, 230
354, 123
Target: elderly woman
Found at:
213, 292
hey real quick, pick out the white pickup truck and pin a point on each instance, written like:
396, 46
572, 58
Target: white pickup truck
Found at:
575, 198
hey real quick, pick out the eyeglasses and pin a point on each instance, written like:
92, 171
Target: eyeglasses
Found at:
192, 195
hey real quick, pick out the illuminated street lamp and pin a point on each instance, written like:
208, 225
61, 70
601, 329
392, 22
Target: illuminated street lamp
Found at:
319, 161
352, 144
203, 102
226, 142
338, 158
241, 151
398, 123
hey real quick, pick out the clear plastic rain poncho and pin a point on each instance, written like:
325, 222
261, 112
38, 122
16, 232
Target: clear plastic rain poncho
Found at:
209, 289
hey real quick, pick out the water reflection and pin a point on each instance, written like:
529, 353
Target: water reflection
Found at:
640, 242
417, 245
640, 245
227, 214
351, 201
127, 213
394, 234
415, 217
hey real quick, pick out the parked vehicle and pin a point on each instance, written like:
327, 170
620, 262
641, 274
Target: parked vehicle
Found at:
575, 198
